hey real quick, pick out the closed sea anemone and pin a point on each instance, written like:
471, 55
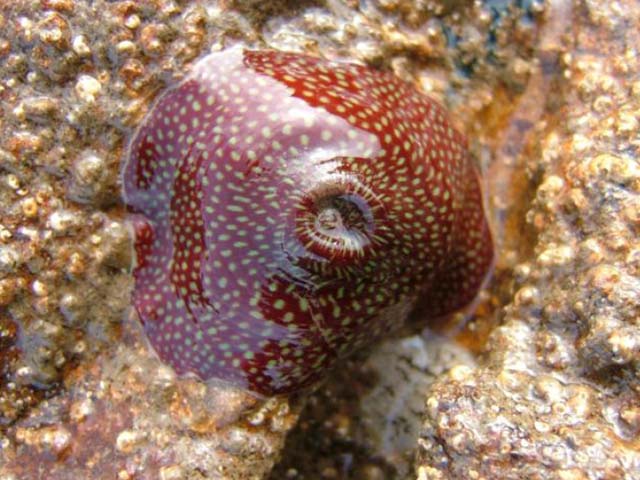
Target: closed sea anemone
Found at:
289, 210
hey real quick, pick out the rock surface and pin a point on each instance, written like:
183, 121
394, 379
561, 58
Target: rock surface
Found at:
81, 393
558, 393
549, 94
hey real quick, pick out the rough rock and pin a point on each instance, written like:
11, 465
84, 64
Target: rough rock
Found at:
548, 93
558, 393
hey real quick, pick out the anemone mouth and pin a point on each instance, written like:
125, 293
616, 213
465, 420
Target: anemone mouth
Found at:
337, 220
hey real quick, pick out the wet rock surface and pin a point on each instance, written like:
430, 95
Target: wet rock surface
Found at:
557, 395
365, 421
81, 393
549, 95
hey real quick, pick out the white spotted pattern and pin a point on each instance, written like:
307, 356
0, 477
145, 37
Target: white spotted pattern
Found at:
293, 208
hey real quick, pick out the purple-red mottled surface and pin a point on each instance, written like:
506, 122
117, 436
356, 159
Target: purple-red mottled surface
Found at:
289, 210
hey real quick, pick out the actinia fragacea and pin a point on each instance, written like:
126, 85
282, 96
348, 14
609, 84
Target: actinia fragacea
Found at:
290, 210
